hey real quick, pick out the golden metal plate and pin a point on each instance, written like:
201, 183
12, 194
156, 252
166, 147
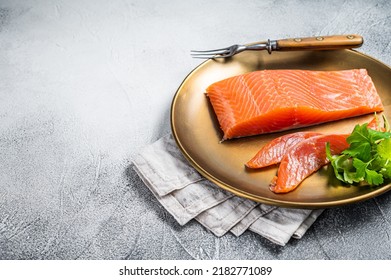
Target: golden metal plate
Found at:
197, 133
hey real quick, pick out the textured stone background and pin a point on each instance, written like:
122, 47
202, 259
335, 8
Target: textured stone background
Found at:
84, 85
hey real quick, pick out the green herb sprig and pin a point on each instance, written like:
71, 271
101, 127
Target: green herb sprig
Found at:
368, 158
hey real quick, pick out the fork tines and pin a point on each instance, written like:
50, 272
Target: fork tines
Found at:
210, 53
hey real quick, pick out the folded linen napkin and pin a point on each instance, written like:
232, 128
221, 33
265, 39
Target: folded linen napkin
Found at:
186, 195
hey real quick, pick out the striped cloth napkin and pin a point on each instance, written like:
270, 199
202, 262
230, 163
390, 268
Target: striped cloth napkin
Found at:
186, 195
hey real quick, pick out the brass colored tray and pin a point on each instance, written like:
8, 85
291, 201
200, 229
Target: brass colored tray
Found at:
197, 133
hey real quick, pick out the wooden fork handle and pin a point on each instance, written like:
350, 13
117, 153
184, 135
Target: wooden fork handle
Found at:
320, 43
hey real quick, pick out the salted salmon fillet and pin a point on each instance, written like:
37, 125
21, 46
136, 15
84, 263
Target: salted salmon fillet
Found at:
304, 159
274, 151
275, 100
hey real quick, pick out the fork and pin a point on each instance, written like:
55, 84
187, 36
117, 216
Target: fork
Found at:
308, 43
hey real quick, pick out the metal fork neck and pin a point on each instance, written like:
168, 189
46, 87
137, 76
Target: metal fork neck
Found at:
270, 45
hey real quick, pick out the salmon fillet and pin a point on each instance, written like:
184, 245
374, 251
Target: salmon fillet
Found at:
304, 159
274, 151
275, 100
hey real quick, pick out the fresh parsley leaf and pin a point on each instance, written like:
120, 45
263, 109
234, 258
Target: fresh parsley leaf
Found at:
386, 171
360, 169
359, 134
368, 158
361, 150
384, 149
373, 177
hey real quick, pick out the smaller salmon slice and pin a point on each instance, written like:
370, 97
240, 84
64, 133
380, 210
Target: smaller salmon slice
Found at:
274, 151
305, 158
375, 124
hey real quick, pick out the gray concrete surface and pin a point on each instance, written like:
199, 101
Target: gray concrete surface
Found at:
84, 85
